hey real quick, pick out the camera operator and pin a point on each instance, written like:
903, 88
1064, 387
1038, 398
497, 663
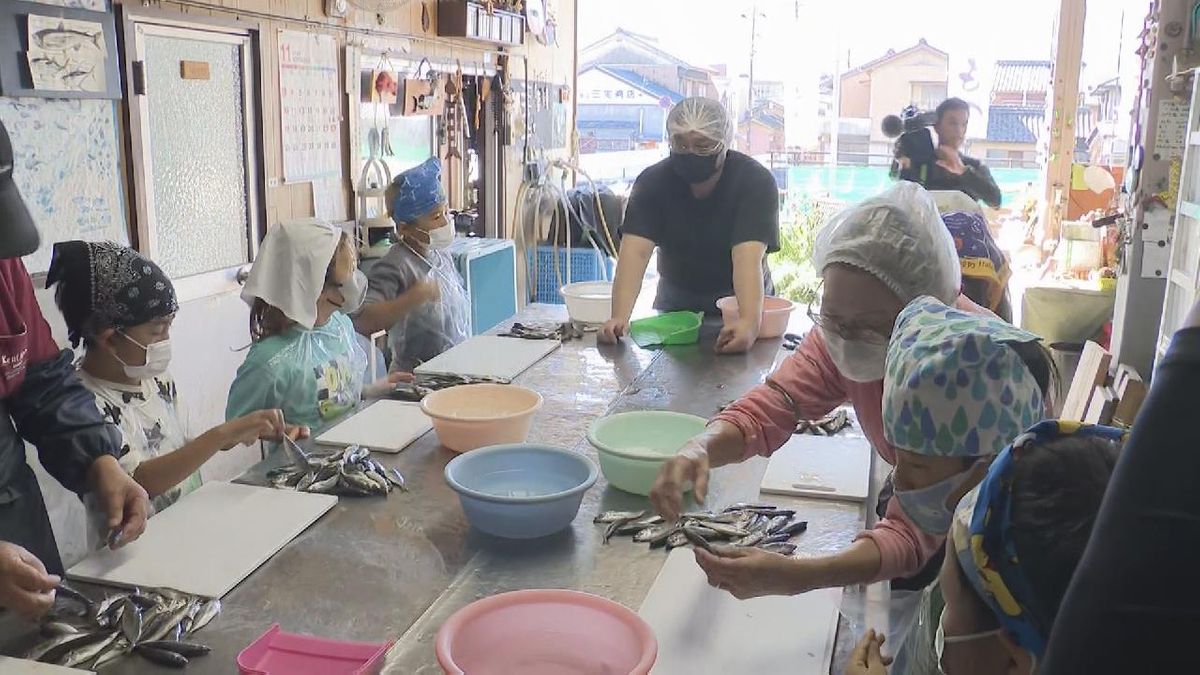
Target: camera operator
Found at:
952, 170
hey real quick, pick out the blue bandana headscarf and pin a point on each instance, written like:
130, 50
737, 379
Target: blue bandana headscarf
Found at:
983, 543
418, 191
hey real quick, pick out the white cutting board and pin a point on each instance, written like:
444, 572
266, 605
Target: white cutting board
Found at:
705, 631
490, 356
384, 426
11, 666
209, 540
825, 467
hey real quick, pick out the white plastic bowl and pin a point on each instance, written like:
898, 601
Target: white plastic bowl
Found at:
588, 302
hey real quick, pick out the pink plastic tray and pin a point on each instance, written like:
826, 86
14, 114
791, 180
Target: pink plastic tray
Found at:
280, 653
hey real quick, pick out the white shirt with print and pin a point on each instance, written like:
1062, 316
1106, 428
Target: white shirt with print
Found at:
147, 414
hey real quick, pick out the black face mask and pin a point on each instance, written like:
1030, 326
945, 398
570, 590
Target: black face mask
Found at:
694, 168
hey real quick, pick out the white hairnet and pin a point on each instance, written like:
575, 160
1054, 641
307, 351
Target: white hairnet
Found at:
899, 238
703, 116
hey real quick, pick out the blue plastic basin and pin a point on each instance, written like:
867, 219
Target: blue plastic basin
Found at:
521, 491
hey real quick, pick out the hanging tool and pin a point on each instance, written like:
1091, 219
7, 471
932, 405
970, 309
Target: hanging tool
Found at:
485, 92
453, 108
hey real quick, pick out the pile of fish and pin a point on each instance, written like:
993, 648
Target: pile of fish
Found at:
563, 332
426, 384
154, 624
761, 525
349, 471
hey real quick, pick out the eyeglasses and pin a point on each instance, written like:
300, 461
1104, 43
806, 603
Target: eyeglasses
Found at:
863, 334
703, 148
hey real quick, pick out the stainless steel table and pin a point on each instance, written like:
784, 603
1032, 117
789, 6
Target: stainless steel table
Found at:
378, 569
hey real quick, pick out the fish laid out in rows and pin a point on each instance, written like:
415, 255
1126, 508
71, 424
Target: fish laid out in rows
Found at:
349, 471
155, 624
767, 527
426, 383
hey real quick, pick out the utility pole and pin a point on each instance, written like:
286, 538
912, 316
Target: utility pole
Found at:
753, 37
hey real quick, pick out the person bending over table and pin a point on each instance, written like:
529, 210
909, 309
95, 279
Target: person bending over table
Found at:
959, 388
713, 213
874, 258
42, 401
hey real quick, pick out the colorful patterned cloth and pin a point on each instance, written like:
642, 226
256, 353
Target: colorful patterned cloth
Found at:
953, 387
978, 254
987, 554
418, 191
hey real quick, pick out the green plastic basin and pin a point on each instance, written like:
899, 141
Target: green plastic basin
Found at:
632, 446
672, 328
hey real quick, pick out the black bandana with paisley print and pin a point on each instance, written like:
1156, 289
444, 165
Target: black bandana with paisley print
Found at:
105, 285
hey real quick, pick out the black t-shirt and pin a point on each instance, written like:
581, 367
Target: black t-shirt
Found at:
695, 237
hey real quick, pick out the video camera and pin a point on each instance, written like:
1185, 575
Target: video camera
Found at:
911, 128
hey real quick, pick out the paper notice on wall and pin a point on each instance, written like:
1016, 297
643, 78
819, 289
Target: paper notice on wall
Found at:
329, 202
1170, 135
310, 115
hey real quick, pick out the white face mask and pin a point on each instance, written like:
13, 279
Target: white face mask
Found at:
857, 361
940, 641
442, 237
158, 357
354, 291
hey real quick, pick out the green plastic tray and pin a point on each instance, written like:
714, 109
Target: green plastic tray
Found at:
672, 328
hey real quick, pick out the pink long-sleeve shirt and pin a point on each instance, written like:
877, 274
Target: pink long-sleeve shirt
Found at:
767, 420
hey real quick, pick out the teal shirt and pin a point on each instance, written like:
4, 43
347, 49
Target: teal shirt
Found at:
313, 376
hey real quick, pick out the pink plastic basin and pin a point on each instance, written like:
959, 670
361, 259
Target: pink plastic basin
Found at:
545, 632
280, 653
475, 415
776, 314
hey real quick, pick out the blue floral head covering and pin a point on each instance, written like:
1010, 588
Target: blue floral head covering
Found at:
418, 191
952, 386
983, 543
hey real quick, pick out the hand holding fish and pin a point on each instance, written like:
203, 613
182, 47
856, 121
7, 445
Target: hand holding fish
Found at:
25, 587
753, 572
689, 465
123, 500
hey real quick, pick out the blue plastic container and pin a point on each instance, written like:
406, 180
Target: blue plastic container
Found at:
585, 266
521, 491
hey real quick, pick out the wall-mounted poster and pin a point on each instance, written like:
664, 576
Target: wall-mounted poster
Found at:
59, 52
310, 112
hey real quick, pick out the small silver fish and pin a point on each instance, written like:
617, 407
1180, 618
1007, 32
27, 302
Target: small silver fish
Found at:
728, 531
613, 516
751, 539
695, 536
52, 629
677, 539
115, 650
162, 657
188, 649
165, 624
326, 485
208, 612
87, 652
396, 478
780, 548
60, 651
654, 533
131, 621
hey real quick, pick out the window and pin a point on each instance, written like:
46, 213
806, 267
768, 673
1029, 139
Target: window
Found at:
927, 95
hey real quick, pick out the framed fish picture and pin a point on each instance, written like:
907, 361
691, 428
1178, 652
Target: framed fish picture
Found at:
60, 52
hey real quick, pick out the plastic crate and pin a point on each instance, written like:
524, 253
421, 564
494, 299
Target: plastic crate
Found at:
585, 266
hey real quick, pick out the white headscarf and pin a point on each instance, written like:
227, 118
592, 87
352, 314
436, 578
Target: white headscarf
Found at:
289, 272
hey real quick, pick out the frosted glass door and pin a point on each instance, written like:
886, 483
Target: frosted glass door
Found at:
196, 154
